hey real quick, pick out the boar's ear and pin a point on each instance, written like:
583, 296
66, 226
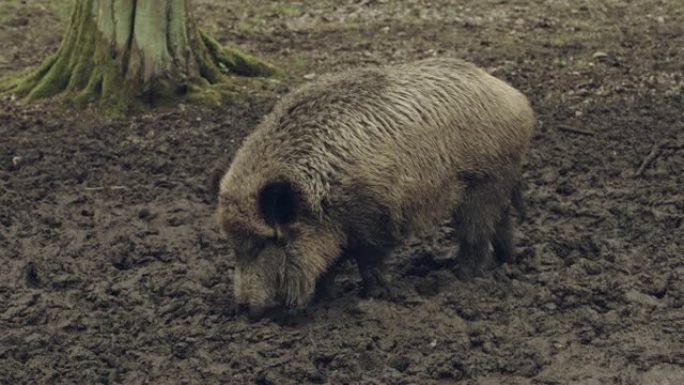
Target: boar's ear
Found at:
279, 203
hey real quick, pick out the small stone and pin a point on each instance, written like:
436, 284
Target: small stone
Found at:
175, 221
87, 213
659, 286
16, 162
181, 349
600, 55
164, 148
145, 214
565, 188
367, 361
550, 176
309, 76
356, 310
387, 344
400, 363
267, 378
316, 377
640, 298
487, 347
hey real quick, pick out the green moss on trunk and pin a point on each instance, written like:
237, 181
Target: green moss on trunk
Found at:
126, 54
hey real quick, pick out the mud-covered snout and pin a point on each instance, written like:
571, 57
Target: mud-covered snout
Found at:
256, 312
253, 291
280, 250
271, 311
260, 290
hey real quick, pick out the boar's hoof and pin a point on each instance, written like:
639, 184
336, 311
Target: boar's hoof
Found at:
325, 287
325, 291
466, 272
375, 285
467, 269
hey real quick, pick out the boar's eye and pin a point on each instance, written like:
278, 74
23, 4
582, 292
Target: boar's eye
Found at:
278, 204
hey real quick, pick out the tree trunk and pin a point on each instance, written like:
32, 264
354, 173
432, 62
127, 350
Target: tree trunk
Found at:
122, 52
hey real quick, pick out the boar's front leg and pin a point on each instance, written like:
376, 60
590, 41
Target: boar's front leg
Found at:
325, 287
371, 268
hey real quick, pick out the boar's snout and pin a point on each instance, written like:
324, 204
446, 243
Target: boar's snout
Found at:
256, 312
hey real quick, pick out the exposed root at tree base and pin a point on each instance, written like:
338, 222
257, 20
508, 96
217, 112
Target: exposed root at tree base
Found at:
83, 73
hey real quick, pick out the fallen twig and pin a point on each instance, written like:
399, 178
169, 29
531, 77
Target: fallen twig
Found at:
672, 146
575, 130
674, 202
655, 152
8, 190
98, 188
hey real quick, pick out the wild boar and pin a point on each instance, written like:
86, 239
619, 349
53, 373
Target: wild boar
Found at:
352, 164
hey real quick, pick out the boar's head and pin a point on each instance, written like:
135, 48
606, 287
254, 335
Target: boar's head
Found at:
282, 245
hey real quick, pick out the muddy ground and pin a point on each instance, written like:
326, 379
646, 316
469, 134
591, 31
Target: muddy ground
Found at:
112, 270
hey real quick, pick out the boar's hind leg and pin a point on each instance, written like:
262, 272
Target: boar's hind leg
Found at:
371, 268
503, 238
504, 250
478, 223
518, 201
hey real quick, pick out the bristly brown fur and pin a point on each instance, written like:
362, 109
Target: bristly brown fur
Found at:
375, 155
